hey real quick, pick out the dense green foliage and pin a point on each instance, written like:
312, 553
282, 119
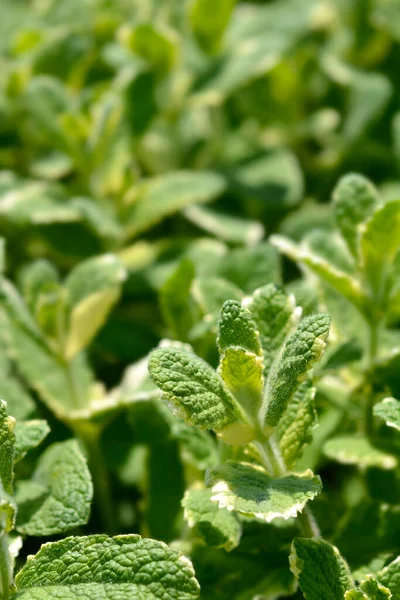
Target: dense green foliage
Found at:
199, 300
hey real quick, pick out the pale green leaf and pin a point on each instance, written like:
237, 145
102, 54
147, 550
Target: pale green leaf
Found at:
390, 578
302, 350
389, 410
165, 195
235, 230
237, 328
294, 430
192, 386
319, 569
353, 450
242, 372
341, 281
380, 241
373, 590
154, 44
252, 267
275, 315
250, 491
209, 20
66, 491
7, 448
29, 434
126, 566
354, 200
217, 526
175, 302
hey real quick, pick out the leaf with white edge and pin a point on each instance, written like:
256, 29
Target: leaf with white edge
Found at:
29, 434
390, 578
341, 281
294, 430
250, 491
93, 288
237, 328
379, 243
320, 569
389, 410
305, 347
194, 388
374, 590
164, 195
218, 526
276, 316
354, 200
7, 448
125, 566
63, 478
242, 372
352, 450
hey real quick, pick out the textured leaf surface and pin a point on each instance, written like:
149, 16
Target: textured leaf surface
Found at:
63, 480
275, 315
217, 526
354, 200
302, 350
191, 385
29, 434
166, 194
389, 410
237, 328
319, 569
358, 451
98, 567
373, 590
250, 491
294, 430
390, 578
7, 445
242, 371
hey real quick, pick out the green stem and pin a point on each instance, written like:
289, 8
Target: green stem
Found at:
89, 436
373, 335
5, 568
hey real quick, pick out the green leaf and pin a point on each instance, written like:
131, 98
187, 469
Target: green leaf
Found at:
7, 448
175, 300
224, 226
237, 328
294, 430
29, 434
341, 281
242, 371
374, 590
93, 288
209, 20
63, 492
193, 387
354, 200
275, 315
319, 569
156, 45
389, 410
165, 195
126, 566
380, 241
250, 491
217, 526
302, 350
390, 578
353, 450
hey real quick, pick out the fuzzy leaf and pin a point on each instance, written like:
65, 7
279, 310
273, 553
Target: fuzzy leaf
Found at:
389, 410
341, 281
275, 315
242, 371
29, 434
319, 569
354, 200
63, 492
217, 526
7, 448
358, 451
294, 430
390, 578
302, 350
126, 566
237, 328
250, 491
373, 590
191, 385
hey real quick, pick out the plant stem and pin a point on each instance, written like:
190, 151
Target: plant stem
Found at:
373, 333
89, 436
5, 568
308, 523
